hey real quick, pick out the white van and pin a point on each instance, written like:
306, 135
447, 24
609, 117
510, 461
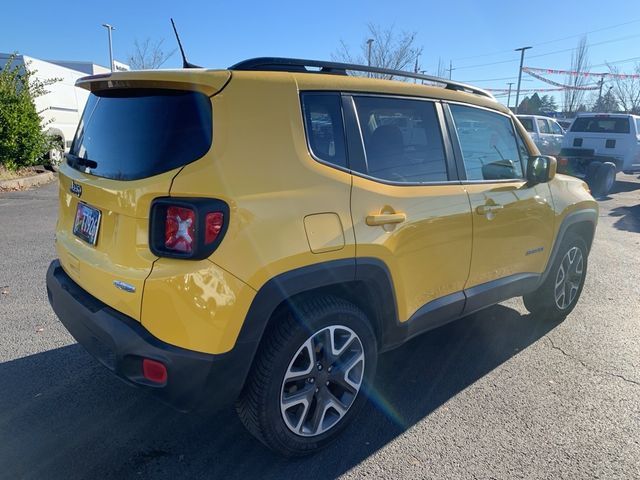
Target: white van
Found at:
600, 144
62, 106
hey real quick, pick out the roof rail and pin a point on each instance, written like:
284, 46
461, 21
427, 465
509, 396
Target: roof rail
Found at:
337, 68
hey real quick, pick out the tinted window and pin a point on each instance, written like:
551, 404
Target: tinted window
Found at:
131, 134
543, 126
490, 152
555, 128
402, 139
527, 123
323, 123
600, 125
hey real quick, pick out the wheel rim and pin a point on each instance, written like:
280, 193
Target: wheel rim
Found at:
569, 278
610, 181
322, 381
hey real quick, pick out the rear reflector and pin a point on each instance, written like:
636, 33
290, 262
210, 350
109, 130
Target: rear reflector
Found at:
154, 371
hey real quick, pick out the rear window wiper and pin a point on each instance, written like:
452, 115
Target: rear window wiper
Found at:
77, 161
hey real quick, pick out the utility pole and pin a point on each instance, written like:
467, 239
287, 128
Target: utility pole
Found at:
509, 94
521, 50
110, 28
600, 84
369, 42
450, 69
415, 68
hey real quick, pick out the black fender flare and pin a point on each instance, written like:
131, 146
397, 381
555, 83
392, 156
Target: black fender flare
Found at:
333, 273
585, 215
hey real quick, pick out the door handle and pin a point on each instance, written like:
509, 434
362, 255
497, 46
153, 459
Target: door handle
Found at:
385, 219
485, 209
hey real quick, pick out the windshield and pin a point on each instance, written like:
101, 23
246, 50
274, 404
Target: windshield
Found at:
130, 134
601, 125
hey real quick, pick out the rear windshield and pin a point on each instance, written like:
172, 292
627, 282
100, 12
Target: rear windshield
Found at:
600, 125
136, 133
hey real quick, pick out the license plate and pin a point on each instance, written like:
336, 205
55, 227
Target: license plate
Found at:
87, 223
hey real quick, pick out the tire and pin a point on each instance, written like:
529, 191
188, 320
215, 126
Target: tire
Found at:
267, 406
604, 178
548, 301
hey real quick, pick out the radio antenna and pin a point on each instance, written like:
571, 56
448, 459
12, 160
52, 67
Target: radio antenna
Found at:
185, 63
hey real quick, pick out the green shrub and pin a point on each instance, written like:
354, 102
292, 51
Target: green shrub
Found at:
22, 140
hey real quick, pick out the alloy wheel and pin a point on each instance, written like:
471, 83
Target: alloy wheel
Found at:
569, 278
322, 381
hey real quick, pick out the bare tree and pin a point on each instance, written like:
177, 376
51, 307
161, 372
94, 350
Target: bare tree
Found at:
389, 49
626, 90
574, 97
149, 54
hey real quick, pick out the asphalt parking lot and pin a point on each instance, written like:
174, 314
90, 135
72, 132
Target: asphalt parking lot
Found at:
499, 394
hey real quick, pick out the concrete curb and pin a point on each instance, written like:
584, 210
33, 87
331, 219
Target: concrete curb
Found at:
27, 182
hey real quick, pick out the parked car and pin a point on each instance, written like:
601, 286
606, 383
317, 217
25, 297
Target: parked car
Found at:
599, 145
269, 256
546, 133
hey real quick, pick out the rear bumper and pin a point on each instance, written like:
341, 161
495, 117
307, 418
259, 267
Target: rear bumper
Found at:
195, 380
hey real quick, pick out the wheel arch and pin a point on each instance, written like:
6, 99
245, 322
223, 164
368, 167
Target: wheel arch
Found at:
365, 282
582, 222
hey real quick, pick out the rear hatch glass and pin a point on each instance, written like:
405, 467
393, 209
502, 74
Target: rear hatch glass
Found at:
129, 134
606, 125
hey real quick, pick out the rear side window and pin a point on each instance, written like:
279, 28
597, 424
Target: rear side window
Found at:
402, 139
527, 123
491, 151
601, 125
543, 126
324, 126
130, 134
638, 126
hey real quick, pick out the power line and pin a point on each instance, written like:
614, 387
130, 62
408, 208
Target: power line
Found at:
548, 53
552, 41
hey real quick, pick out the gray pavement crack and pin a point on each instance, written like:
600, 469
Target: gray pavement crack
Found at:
589, 367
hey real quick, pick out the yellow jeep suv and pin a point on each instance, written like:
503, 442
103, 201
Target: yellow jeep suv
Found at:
260, 234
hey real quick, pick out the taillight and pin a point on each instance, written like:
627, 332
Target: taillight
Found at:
189, 228
179, 229
563, 161
213, 225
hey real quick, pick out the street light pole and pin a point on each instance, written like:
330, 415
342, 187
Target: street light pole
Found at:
521, 50
110, 28
369, 42
509, 94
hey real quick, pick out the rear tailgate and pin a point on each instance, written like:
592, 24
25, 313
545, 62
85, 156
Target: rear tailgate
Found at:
121, 253
138, 130
607, 136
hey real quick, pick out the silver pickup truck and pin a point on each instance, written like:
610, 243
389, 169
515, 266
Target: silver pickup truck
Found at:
545, 132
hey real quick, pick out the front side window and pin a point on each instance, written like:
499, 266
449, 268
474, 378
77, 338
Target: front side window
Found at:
324, 126
491, 151
556, 129
402, 139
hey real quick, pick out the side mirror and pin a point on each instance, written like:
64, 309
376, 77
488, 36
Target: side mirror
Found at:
541, 169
